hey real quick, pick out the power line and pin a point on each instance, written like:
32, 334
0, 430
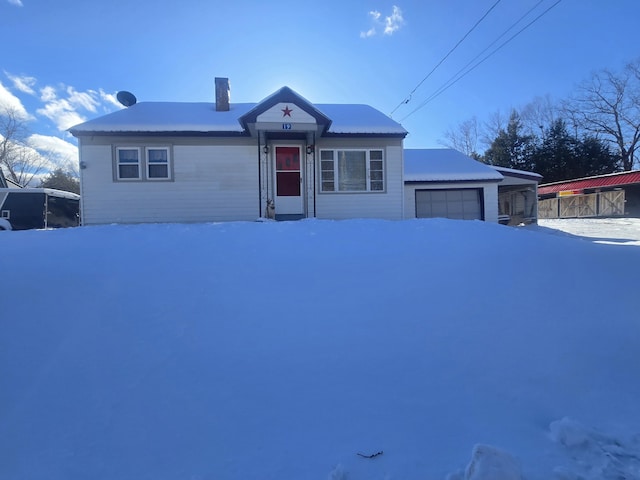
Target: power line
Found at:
408, 97
455, 80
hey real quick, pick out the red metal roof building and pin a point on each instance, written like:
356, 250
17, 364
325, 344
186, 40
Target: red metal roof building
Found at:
611, 180
614, 194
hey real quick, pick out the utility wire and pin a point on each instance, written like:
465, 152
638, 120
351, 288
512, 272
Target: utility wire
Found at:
408, 97
455, 80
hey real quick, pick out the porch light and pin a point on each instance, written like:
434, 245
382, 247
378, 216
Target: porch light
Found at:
265, 149
309, 149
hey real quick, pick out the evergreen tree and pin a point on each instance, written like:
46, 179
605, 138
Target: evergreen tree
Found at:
562, 156
61, 180
511, 148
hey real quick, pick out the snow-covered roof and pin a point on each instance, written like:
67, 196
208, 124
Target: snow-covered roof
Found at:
156, 117
360, 119
514, 172
180, 117
49, 191
445, 165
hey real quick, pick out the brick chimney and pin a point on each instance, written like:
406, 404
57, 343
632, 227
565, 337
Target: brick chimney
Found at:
222, 94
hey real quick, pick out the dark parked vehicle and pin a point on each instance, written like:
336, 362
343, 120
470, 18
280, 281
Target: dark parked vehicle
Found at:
26, 208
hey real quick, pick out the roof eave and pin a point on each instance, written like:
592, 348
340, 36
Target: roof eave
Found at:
168, 133
365, 135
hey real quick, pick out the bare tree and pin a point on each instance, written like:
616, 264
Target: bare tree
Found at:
608, 106
20, 162
496, 123
538, 115
463, 137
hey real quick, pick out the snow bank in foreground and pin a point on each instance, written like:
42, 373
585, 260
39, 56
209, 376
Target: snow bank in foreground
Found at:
301, 350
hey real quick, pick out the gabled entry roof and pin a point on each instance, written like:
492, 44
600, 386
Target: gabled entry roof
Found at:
285, 96
201, 118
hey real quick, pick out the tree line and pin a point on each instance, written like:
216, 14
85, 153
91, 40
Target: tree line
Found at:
595, 131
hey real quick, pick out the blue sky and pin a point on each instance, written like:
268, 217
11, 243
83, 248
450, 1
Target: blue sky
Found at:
63, 61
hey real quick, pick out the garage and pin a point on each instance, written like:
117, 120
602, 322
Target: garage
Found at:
456, 204
445, 183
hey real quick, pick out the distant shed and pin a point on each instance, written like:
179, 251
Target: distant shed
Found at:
612, 195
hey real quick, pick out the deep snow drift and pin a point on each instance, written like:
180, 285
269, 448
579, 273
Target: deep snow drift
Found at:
295, 350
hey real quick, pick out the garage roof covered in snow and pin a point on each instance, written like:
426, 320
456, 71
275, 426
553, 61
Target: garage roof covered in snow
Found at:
445, 165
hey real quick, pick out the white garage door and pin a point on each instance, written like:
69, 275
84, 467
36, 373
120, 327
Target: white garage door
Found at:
458, 204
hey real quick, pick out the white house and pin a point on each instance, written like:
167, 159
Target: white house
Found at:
202, 162
446, 183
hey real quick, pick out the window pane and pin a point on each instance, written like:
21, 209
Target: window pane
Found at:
376, 185
352, 171
288, 184
327, 174
158, 171
128, 155
376, 155
376, 165
376, 175
157, 155
128, 171
287, 158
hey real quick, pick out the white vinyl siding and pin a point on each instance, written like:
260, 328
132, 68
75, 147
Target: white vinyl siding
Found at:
210, 183
387, 204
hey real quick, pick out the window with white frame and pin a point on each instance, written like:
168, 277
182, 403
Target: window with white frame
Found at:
351, 171
143, 163
157, 163
128, 163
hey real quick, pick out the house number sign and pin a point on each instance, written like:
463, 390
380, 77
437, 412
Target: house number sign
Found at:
286, 126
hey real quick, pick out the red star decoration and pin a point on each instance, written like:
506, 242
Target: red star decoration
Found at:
287, 111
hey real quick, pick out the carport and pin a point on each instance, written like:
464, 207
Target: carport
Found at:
518, 196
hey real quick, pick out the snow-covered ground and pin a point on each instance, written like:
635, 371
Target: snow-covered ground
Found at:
439, 349
619, 231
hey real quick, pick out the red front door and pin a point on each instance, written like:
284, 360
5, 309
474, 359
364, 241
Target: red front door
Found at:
288, 179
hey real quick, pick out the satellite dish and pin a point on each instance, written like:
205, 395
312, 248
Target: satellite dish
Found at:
126, 98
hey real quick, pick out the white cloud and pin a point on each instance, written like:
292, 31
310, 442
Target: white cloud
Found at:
66, 109
47, 94
369, 33
110, 98
388, 25
62, 113
9, 100
394, 21
86, 100
23, 83
17, 3
62, 153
